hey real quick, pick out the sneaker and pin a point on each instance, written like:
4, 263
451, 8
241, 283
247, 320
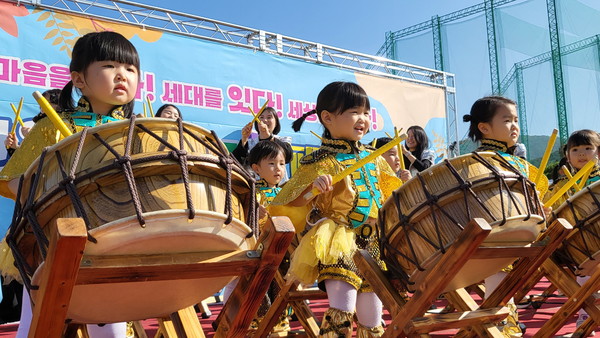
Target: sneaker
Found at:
582, 318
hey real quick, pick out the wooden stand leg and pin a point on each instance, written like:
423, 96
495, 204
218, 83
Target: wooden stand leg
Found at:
243, 303
186, 323
67, 241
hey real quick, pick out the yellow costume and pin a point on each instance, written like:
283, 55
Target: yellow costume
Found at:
344, 217
563, 179
43, 134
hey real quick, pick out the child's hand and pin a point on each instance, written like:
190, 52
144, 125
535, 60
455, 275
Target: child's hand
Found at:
547, 211
25, 131
405, 175
323, 183
11, 141
246, 131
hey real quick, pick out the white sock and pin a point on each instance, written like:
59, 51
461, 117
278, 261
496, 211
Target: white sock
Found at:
581, 280
26, 315
228, 289
369, 309
113, 330
341, 295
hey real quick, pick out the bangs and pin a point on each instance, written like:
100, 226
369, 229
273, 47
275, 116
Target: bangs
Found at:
582, 138
115, 48
352, 95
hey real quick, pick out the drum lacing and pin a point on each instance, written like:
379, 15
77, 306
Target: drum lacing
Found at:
580, 223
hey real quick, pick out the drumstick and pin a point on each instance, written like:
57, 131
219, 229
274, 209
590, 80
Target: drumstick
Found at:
584, 179
319, 137
150, 105
546, 156
374, 142
144, 107
51, 113
340, 176
255, 119
570, 183
390, 136
17, 112
400, 154
569, 176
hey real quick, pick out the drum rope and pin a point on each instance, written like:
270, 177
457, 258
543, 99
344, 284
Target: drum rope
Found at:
181, 154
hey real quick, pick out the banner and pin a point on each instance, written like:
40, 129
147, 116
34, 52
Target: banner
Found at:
213, 84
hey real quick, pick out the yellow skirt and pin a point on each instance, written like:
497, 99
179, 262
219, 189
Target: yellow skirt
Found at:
326, 242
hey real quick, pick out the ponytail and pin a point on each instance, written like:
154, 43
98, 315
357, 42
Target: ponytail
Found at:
65, 100
296, 125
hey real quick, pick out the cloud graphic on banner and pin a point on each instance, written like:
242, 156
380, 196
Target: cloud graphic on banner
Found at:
66, 29
7, 21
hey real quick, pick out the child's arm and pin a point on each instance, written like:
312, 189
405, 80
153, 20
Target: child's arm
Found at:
323, 183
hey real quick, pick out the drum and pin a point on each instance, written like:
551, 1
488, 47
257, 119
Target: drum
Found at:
142, 186
581, 248
427, 213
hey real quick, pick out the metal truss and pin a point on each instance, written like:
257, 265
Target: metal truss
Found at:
145, 16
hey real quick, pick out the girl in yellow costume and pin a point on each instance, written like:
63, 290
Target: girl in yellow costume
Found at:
495, 124
345, 212
105, 70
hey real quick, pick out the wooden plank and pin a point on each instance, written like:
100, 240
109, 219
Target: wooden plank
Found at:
277, 306
530, 284
166, 328
68, 237
138, 329
386, 292
440, 275
243, 303
438, 322
313, 294
186, 323
462, 301
135, 268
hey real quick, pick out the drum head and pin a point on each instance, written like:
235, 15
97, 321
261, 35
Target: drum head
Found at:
167, 231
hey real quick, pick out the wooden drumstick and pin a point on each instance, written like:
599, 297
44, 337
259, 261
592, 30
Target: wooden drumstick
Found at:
319, 137
340, 176
17, 112
149, 106
584, 179
569, 176
144, 107
255, 119
51, 113
570, 183
400, 154
546, 156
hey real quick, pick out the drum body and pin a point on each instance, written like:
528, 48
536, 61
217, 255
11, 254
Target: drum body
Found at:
424, 216
143, 187
581, 248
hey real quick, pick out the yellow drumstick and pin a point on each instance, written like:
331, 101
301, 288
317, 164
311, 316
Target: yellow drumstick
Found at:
569, 183
388, 135
317, 135
546, 156
17, 117
144, 108
569, 176
52, 115
255, 119
400, 154
340, 176
150, 106
584, 179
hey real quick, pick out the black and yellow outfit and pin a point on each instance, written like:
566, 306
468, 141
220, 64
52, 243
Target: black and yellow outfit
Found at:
43, 134
563, 179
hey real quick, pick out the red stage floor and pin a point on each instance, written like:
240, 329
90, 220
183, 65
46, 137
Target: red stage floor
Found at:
534, 319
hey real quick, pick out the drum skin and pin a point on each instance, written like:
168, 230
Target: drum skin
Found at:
581, 248
167, 227
426, 214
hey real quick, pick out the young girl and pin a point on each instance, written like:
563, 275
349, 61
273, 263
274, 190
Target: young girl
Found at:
168, 111
268, 128
346, 211
582, 146
393, 159
416, 150
495, 124
105, 70
267, 160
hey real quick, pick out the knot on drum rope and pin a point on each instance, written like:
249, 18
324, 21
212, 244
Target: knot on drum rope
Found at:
68, 180
432, 199
123, 159
226, 161
403, 219
466, 185
177, 154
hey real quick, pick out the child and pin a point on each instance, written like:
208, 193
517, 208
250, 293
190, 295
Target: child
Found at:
267, 160
582, 146
346, 211
393, 159
168, 111
105, 70
495, 124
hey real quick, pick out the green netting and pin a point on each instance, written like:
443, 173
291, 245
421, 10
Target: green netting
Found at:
577, 19
581, 73
416, 49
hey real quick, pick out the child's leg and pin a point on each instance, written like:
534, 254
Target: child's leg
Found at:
26, 315
114, 330
369, 311
337, 321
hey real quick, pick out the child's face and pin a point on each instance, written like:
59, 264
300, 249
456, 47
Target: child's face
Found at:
350, 125
107, 84
269, 119
392, 158
271, 170
578, 156
169, 113
504, 126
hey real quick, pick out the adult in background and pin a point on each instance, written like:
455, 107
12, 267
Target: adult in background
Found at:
168, 111
416, 150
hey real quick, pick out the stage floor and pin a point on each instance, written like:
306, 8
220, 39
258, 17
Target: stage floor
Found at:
534, 319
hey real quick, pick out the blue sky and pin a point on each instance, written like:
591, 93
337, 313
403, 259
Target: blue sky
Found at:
353, 25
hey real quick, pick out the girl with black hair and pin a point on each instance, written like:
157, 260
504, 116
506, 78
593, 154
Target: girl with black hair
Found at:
168, 111
416, 150
345, 212
393, 159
